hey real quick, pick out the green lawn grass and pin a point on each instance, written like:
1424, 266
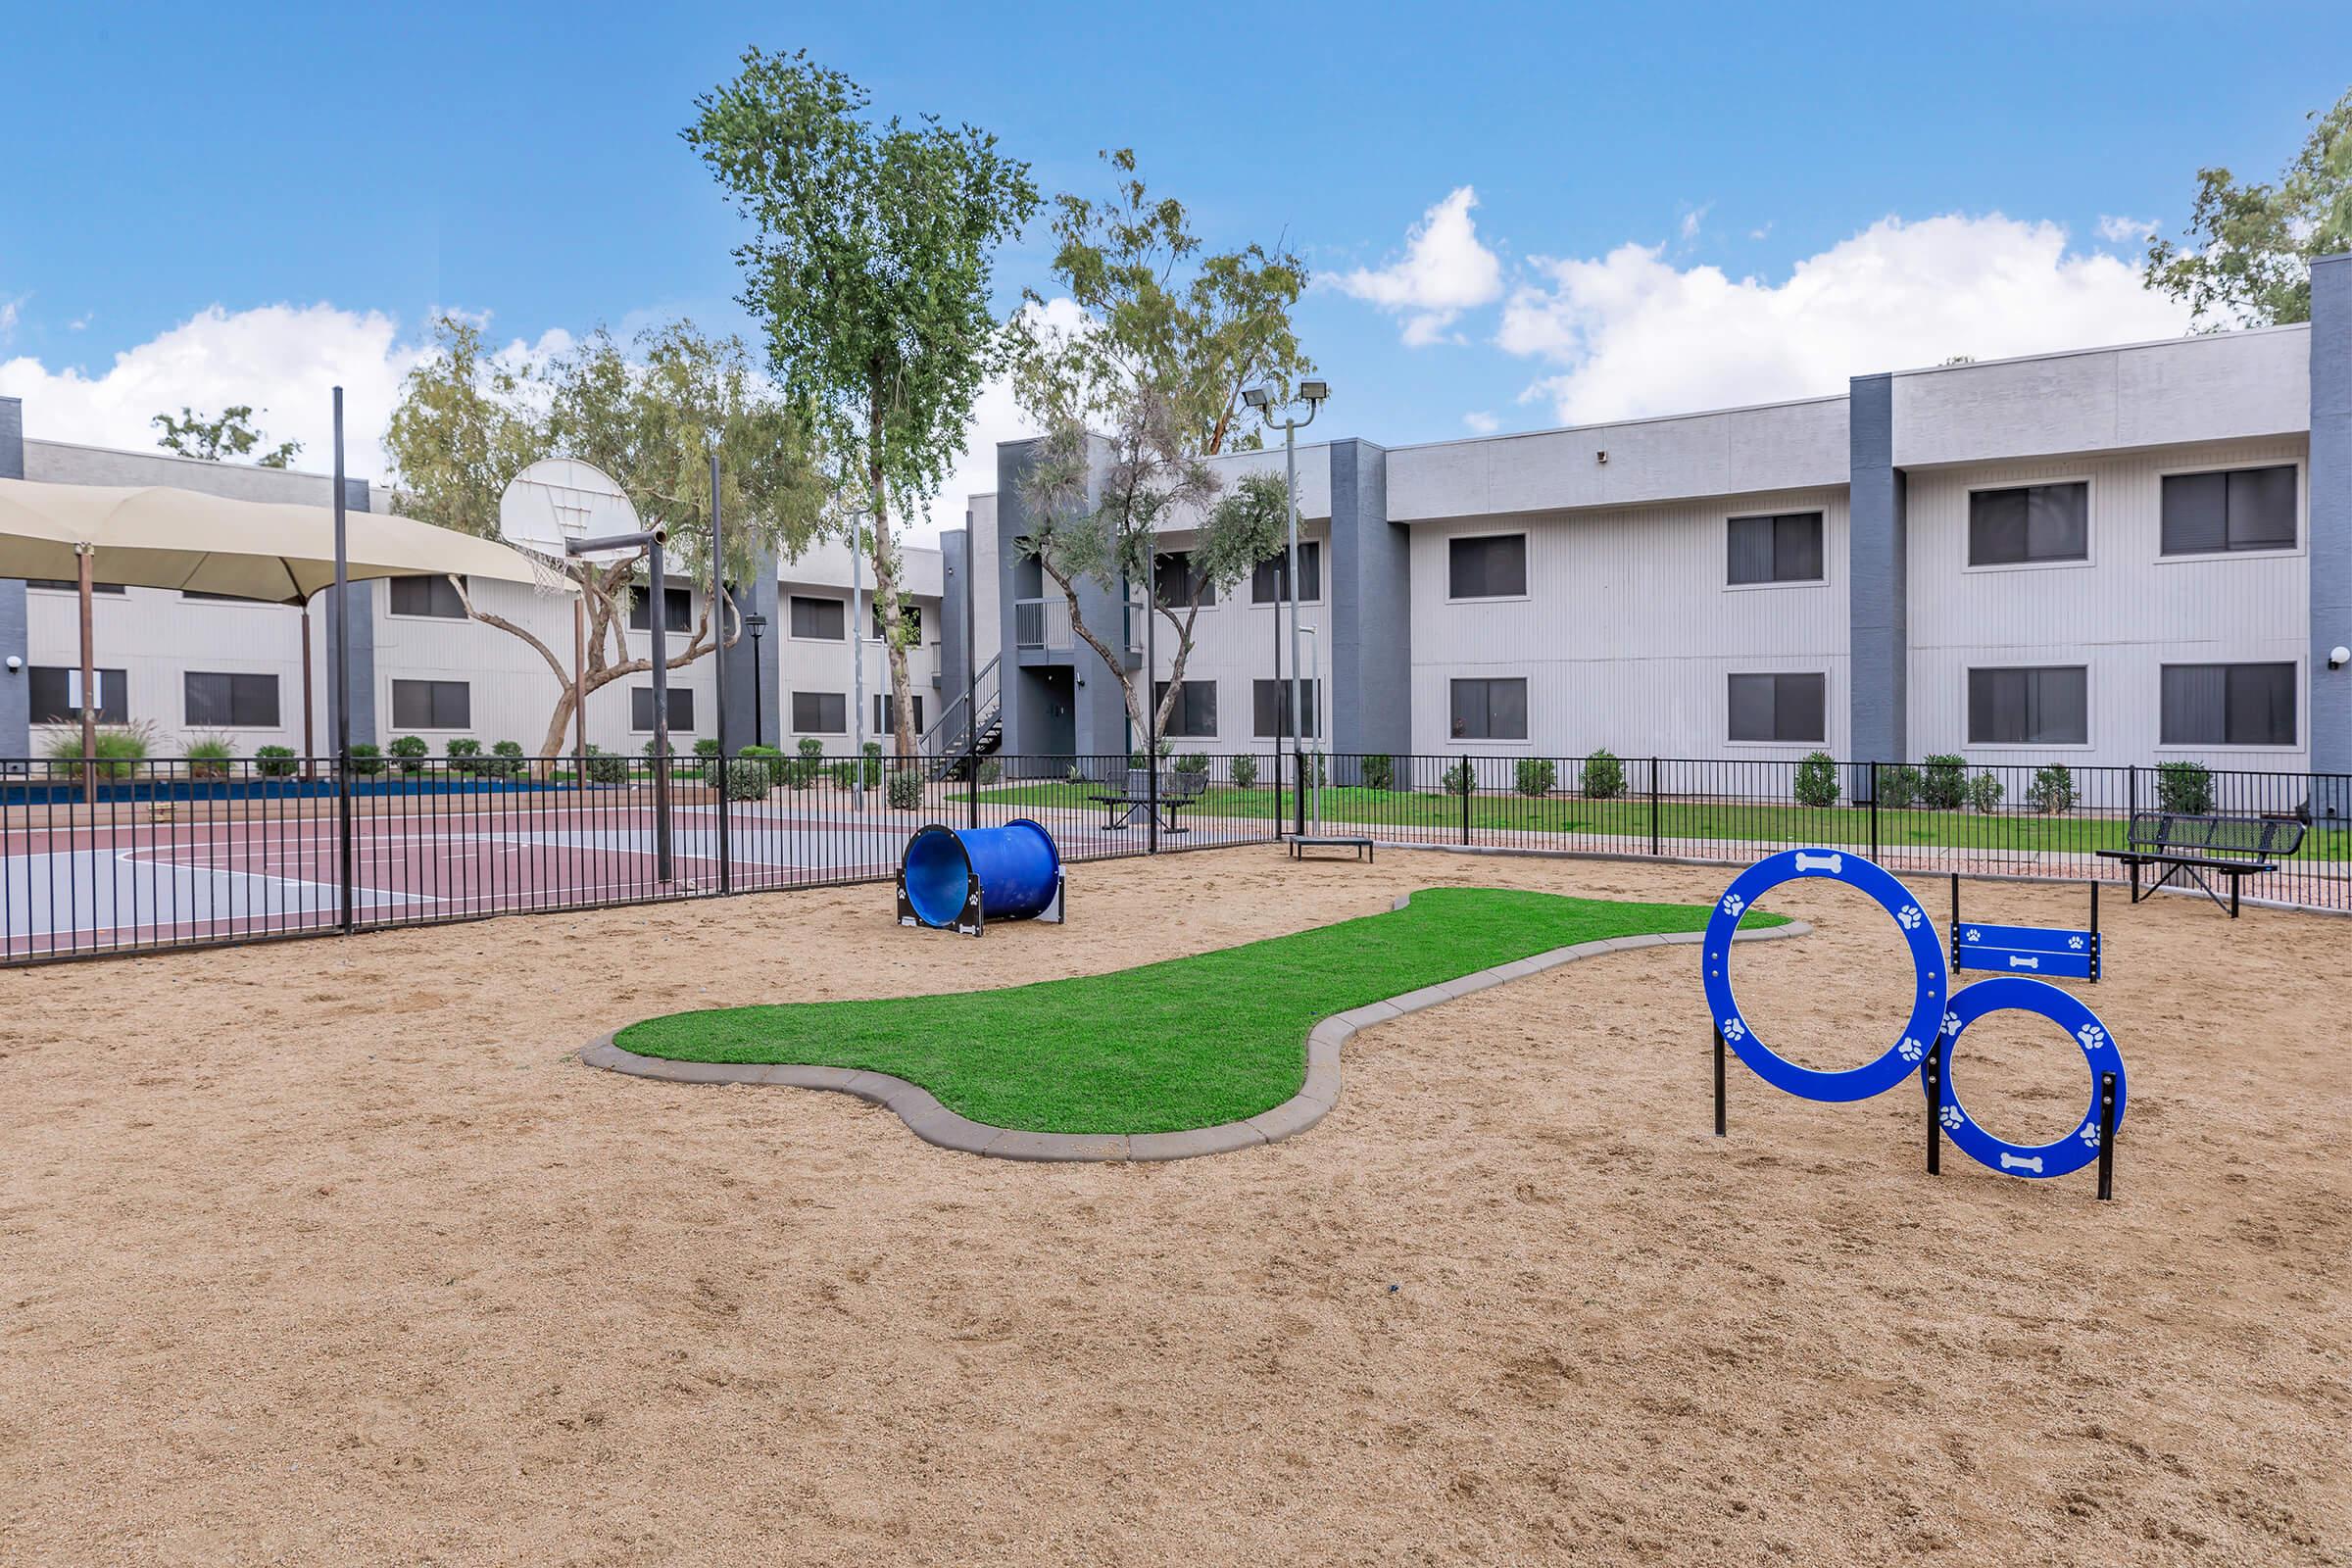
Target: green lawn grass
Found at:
1440, 815
1187, 1043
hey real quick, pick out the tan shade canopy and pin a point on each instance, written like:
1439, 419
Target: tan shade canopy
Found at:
153, 537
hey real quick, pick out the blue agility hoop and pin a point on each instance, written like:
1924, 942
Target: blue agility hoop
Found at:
2008, 994
1901, 1058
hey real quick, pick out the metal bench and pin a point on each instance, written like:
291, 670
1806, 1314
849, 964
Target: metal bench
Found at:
2227, 846
1301, 843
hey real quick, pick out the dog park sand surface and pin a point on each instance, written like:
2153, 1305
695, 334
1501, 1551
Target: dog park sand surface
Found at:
330, 1251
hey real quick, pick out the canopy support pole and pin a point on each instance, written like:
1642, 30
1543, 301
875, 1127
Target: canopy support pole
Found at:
342, 620
84, 557
310, 739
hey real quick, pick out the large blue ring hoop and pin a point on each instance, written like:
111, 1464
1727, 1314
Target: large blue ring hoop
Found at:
1910, 1047
2016, 994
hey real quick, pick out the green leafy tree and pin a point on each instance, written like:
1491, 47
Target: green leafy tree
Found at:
469, 420
870, 272
218, 440
2245, 258
1150, 378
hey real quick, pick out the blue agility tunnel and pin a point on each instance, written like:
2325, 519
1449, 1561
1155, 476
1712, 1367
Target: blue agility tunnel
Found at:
959, 880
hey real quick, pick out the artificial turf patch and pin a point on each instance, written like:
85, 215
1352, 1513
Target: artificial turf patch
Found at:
1186, 1042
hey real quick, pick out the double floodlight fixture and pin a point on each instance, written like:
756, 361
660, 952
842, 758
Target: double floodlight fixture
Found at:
1311, 393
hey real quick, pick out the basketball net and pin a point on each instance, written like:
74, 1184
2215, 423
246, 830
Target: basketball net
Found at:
550, 574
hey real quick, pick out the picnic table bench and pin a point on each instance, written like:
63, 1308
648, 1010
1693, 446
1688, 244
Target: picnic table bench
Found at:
1301, 843
1176, 792
2235, 846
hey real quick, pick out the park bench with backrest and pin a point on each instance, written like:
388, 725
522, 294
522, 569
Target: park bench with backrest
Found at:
2193, 844
1177, 790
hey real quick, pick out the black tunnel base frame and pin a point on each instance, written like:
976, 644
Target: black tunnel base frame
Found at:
971, 921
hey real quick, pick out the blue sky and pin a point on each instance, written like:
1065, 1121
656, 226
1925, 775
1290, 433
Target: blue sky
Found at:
362, 169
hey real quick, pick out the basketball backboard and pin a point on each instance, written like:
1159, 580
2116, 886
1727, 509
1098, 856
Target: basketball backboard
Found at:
557, 500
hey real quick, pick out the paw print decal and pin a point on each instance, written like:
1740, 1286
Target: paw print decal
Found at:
1909, 916
2091, 1035
1912, 1049
2090, 1132
1733, 904
1951, 1023
1734, 1030
1952, 1117
2075, 943
1974, 935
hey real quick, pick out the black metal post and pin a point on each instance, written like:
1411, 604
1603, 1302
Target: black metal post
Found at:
1719, 1080
1653, 806
971, 682
1873, 811
2106, 1136
1930, 1072
1955, 920
1469, 782
1151, 703
657, 618
719, 604
346, 849
2095, 965
759, 695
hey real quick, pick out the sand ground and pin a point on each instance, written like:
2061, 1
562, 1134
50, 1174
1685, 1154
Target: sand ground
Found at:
329, 1252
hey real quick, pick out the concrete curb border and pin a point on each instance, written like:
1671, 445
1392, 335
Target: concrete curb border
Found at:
935, 1123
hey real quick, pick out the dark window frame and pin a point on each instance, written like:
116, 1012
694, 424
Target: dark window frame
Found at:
1167, 562
241, 682
2178, 482
68, 585
820, 698
434, 691
679, 611
114, 694
1781, 705
1773, 549
2292, 674
2025, 526
792, 604
678, 696
2032, 701
434, 585
1453, 595
1267, 578
1454, 730
1309, 691
882, 724
908, 610
1183, 722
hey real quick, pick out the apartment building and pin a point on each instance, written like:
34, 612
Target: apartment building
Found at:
2126, 555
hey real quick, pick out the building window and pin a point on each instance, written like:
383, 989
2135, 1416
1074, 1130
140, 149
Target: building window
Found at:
885, 711
1267, 585
1787, 708
681, 608
1193, 714
231, 701
55, 693
1176, 583
67, 585
820, 714
1782, 547
435, 598
2239, 509
199, 596
826, 619
2030, 523
1272, 701
2229, 705
911, 616
2030, 707
1489, 710
1487, 566
681, 710
433, 705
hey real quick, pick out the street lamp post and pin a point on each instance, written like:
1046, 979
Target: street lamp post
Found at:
756, 624
1265, 400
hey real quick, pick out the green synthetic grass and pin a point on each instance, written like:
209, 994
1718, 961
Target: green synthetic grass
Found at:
1187, 1043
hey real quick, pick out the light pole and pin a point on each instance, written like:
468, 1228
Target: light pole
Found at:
1265, 400
756, 624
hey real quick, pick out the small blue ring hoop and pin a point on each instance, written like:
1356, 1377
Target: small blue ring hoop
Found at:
1901, 1058
2016, 994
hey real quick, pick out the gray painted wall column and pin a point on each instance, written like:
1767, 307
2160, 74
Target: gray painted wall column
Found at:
955, 608
360, 602
752, 701
16, 685
2331, 481
1371, 669
1099, 710
1876, 593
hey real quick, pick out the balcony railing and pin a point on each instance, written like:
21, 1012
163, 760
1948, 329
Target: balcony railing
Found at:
1041, 623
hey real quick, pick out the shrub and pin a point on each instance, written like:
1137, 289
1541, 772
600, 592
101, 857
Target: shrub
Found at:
705, 748
1535, 775
1984, 792
811, 749
906, 790
1900, 786
209, 756
874, 763
505, 761
602, 767
746, 778
1605, 776
768, 757
411, 750
1459, 779
1817, 780
2185, 788
991, 771
117, 751
367, 760
466, 756
2053, 790
1944, 783
1245, 772
1193, 762
1379, 772
845, 774
276, 761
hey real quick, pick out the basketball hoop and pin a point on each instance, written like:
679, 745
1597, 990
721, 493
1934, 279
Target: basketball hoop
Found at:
554, 502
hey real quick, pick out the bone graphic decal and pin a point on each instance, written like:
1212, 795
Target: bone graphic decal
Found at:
1833, 864
2021, 962
2031, 1162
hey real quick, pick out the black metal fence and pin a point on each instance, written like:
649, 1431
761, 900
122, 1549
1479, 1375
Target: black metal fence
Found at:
147, 855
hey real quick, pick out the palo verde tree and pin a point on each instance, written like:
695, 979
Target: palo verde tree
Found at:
218, 440
2245, 259
468, 420
1151, 379
870, 272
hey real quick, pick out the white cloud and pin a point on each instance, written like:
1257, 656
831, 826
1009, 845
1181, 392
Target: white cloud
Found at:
9, 311
1692, 220
1634, 334
1481, 423
1443, 272
2126, 230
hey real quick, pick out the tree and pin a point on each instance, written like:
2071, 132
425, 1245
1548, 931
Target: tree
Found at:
468, 420
870, 272
2245, 258
232, 435
1169, 341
